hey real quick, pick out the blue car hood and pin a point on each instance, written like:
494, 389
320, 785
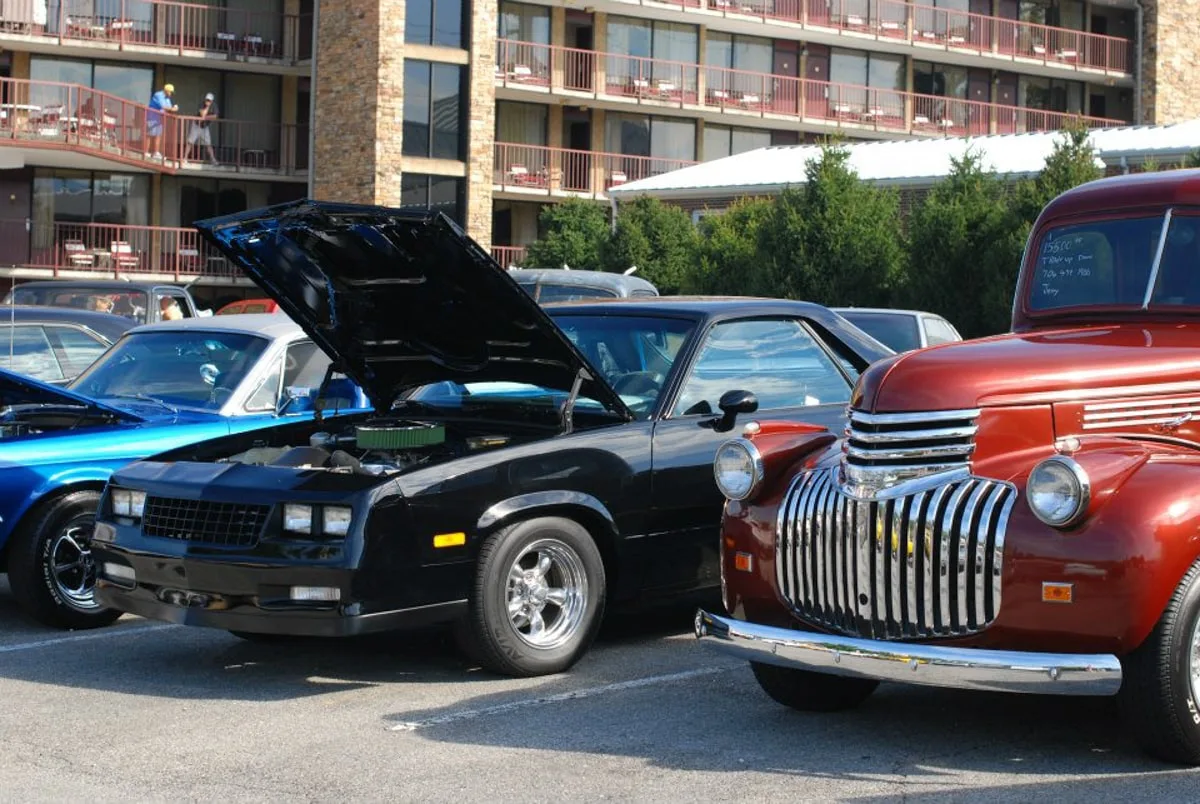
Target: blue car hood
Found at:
17, 389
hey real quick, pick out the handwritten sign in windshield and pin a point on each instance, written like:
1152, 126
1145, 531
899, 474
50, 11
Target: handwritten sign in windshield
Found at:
1073, 269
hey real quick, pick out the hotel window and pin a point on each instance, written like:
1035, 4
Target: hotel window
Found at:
670, 44
720, 141
437, 193
434, 22
132, 83
940, 80
858, 68
520, 22
746, 53
641, 135
1050, 94
521, 123
432, 110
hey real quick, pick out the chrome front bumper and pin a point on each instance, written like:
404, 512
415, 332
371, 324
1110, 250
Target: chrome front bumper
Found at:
932, 665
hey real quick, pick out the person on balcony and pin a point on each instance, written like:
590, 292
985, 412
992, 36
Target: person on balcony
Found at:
159, 102
199, 133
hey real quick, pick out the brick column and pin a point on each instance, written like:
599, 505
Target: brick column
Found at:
554, 139
558, 38
1170, 62
600, 45
599, 167
481, 131
360, 82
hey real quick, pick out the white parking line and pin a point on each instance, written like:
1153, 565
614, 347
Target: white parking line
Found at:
511, 706
110, 634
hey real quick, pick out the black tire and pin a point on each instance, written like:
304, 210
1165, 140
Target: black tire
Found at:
806, 691
62, 598
1157, 699
507, 644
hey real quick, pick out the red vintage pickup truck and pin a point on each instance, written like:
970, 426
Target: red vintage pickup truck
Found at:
1017, 513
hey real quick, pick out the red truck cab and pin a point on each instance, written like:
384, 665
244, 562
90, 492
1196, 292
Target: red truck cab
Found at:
1016, 513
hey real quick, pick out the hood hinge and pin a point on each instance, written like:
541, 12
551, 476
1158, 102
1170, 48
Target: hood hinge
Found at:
567, 414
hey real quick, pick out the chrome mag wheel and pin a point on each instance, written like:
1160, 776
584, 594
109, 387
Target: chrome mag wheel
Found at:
547, 592
71, 568
1194, 661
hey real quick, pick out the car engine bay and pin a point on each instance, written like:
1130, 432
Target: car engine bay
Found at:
377, 447
19, 421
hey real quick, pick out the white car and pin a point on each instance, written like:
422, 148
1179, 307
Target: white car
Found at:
901, 330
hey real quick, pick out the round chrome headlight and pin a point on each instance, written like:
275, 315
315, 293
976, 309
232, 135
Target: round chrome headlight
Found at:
738, 468
1058, 491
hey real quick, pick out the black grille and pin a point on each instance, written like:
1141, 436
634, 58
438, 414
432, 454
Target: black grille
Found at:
228, 524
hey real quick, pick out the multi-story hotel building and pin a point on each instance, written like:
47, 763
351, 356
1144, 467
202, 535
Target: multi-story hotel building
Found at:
490, 109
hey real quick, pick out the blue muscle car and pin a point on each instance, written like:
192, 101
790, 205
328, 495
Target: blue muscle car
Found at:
159, 387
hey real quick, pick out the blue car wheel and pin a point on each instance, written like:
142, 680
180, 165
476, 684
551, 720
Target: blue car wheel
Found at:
50, 569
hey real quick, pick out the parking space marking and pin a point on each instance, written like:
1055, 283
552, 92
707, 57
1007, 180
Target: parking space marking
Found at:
588, 692
49, 643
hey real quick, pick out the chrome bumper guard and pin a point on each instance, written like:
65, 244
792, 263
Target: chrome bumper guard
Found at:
931, 665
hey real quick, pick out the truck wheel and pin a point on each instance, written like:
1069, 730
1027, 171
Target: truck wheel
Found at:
50, 569
537, 600
1160, 694
807, 691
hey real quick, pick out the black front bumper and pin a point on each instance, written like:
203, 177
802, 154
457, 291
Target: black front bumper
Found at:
251, 597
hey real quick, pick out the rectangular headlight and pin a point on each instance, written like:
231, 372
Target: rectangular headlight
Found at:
128, 503
335, 520
297, 518
137, 504
122, 502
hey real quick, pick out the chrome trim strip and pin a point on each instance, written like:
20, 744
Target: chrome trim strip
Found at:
920, 478
910, 453
894, 436
985, 534
916, 511
1157, 264
1139, 403
930, 665
909, 418
1087, 425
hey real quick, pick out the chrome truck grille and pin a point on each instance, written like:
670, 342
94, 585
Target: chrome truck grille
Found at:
899, 540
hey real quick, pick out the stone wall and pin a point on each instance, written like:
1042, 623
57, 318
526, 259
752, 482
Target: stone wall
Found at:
1170, 61
481, 120
347, 100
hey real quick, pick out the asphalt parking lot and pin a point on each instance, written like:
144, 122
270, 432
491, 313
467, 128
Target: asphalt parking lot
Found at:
146, 711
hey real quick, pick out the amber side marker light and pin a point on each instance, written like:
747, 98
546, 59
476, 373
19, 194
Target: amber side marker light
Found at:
1057, 592
743, 562
449, 540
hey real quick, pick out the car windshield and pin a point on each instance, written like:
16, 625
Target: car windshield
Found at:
634, 354
130, 304
197, 370
898, 331
1122, 262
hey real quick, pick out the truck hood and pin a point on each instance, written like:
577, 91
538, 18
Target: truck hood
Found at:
17, 389
1033, 368
401, 299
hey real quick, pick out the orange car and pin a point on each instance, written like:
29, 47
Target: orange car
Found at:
249, 306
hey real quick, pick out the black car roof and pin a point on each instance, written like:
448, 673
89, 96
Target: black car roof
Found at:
715, 308
602, 279
106, 324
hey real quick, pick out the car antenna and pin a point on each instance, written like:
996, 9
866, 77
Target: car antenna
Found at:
631, 271
567, 415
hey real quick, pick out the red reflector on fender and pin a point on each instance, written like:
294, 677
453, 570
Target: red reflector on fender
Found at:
1057, 592
743, 562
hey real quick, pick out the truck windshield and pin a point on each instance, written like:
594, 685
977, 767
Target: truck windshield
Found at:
1151, 261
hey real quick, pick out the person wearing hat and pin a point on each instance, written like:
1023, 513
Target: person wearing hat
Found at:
199, 133
159, 102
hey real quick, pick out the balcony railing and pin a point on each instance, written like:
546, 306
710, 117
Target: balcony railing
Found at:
111, 250
508, 256
669, 84
180, 27
540, 170
42, 114
927, 27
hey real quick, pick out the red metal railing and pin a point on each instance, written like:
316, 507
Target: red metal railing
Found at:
540, 170
181, 27
43, 114
934, 28
508, 256
655, 82
111, 250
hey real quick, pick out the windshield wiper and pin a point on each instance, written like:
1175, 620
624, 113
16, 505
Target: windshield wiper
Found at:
142, 398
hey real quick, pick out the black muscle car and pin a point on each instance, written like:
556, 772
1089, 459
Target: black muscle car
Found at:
523, 466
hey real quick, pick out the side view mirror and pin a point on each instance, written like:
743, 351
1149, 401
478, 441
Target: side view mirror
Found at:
731, 404
291, 395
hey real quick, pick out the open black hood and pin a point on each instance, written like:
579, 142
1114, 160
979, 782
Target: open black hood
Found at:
400, 299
